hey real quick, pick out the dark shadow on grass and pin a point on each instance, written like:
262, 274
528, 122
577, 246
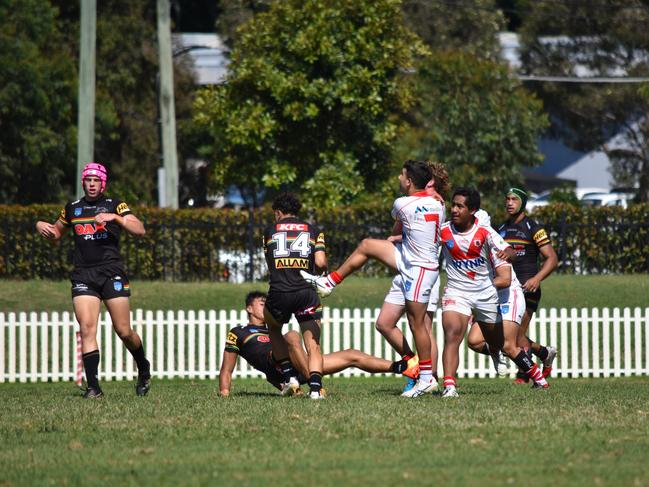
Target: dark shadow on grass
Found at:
255, 394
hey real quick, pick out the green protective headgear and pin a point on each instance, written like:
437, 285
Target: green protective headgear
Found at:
520, 194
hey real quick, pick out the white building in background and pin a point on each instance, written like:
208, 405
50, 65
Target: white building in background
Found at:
208, 54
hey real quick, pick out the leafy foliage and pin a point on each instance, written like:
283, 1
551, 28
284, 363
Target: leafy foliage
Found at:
467, 26
37, 96
477, 119
39, 45
210, 244
312, 94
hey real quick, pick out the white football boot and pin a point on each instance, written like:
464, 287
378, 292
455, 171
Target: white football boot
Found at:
421, 388
500, 364
291, 388
450, 391
322, 284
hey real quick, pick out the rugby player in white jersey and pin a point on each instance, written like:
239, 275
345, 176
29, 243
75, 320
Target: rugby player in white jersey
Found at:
416, 260
475, 273
394, 304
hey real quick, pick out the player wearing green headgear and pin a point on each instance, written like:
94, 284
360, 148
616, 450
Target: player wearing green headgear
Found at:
529, 240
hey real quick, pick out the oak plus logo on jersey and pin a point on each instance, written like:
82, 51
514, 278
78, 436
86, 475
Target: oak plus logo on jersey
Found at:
89, 229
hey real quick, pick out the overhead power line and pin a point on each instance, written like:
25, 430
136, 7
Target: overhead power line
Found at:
574, 79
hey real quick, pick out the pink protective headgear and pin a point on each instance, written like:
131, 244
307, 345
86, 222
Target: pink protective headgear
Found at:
97, 170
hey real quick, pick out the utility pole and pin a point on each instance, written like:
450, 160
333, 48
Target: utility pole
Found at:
86, 100
167, 106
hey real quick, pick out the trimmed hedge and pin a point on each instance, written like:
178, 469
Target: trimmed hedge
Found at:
222, 244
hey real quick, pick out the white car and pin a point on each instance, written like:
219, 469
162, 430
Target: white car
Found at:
541, 200
607, 199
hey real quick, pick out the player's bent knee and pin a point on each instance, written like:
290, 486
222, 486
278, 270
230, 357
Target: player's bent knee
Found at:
293, 338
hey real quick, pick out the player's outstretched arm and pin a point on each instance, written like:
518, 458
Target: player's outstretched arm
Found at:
225, 373
49, 231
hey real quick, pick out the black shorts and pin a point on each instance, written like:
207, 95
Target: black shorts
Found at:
532, 300
105, 281
303, 303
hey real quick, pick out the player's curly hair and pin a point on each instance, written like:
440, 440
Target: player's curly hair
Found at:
442, 180
287, 203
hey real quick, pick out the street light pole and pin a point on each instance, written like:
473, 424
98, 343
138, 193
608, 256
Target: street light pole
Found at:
86, 100
167, 106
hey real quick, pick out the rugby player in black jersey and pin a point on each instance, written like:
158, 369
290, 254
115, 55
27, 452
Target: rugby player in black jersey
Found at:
529, 240
98, 273
252, 343
291, 244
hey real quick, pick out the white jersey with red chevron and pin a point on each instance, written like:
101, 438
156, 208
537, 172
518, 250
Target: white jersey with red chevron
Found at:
421, 216
470, 257
483, 218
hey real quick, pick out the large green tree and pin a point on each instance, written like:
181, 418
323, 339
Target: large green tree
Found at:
591, 39
311, 98
471, 27
39, 45
474, 116
37, 115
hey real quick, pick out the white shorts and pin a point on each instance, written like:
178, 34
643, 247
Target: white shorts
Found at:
511, 304
395, 294
416, 283
482, 305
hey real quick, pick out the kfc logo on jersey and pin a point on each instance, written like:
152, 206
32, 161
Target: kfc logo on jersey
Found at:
477, 242
263, 339
292, 227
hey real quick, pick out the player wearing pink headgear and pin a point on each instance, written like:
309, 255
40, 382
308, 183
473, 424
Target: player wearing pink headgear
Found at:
97, 170
98, 273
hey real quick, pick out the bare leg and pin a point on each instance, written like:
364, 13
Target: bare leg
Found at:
523, 339
334, 362
510, 335
455, 325
416, 313
476, 340
386, 324
296, 353
381, 250
337, 361
86, 309
311, 334
120, 313
277, 340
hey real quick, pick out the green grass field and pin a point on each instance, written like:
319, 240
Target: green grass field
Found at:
580, 432
558, 291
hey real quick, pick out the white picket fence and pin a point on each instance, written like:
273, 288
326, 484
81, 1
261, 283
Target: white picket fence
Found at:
42, 346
